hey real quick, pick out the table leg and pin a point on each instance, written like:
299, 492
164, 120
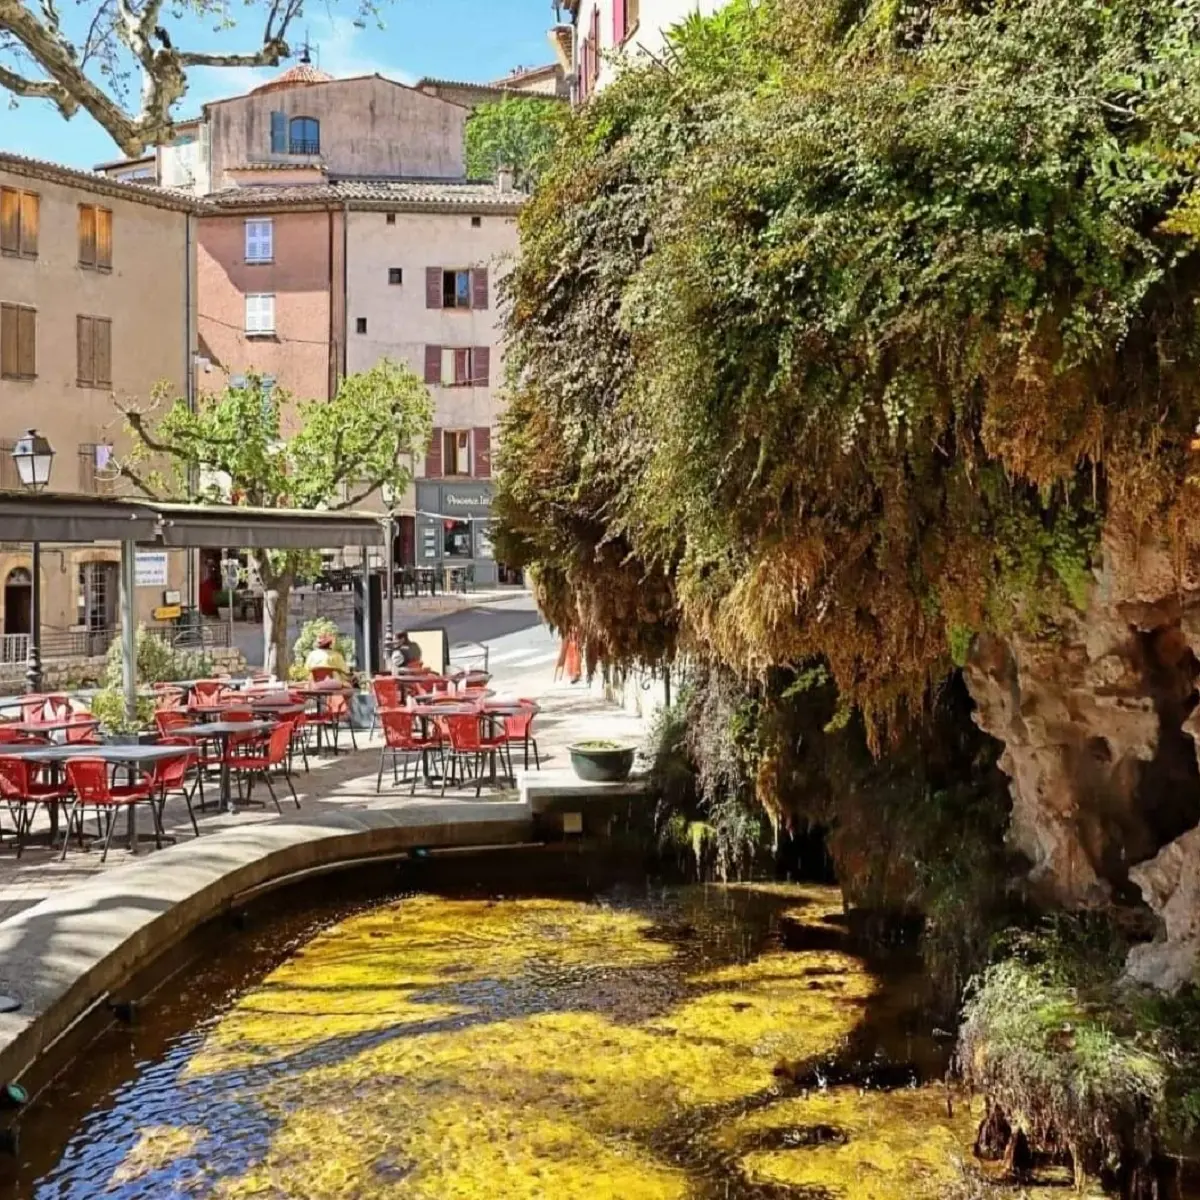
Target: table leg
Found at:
226, 789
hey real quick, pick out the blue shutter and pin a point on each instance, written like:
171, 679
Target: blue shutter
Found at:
278, 133
237, 381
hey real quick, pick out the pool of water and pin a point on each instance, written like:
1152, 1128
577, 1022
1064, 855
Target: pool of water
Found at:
587, 1035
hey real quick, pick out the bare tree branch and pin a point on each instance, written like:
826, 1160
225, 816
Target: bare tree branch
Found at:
42, 89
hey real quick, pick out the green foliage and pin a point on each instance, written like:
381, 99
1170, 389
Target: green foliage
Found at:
518, 132
843, 332
307, 642
108, 707
341, 451
156, 662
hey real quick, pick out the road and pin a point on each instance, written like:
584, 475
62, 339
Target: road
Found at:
521, 649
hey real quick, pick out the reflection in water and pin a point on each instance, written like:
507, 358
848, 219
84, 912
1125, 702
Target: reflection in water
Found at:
635, 1044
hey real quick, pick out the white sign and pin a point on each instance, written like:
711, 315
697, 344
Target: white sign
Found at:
150, 568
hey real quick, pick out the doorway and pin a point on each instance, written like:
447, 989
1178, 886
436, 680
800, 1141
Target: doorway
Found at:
98, 585
18, 616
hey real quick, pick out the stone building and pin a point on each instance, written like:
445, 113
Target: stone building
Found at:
97, 303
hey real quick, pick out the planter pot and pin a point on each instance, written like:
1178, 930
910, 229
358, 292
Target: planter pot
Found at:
223, 613
602, 763
147, 737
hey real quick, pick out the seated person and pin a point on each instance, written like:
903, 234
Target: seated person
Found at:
327, 656
406, 654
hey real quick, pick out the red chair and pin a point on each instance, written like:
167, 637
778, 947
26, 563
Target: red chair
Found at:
322, 674
169, 719
82, 731
89, 781
170, 775
35, 709
331, 717
519, 728
22, 793
468, 746
274, 756
402, 737
207, 691
386, 690
167, 698
16, 737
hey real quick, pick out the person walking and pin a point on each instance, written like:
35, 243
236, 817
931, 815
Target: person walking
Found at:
568, 660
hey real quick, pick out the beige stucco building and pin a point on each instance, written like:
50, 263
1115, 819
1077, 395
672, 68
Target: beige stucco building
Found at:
97, 303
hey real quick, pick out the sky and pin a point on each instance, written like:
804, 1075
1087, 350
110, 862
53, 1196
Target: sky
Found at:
475, 40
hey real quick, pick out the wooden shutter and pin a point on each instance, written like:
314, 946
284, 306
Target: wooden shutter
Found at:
8, 340
85, 352
433, 364
433, 460
104, 239
279, 133
479, 287
10, 221
483, 452
481, 361
102, 342
30, 211
26, 342
87, 236
433, 287
618, 22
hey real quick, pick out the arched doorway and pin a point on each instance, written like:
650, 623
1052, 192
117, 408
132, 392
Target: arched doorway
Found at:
18, 601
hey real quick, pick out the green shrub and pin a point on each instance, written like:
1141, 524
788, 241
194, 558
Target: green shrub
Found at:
157, 661
108, 707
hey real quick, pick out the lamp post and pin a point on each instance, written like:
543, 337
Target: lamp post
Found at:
34, 456
389, 571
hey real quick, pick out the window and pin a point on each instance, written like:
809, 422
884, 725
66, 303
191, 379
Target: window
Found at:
93, 351
476, 222
19, 223
260, 312
390, 219
94, 460
458, 366
360, 325
456, 452
395, 276
456, 287
95, 237
304, 135
457, 540
260, 241
18, 341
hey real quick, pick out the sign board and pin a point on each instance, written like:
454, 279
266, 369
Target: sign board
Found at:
150, 568
231, 574
168, 612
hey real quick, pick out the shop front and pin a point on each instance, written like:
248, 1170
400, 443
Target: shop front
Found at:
453, 525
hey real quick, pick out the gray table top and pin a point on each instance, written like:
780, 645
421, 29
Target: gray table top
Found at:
112, 754
221, 728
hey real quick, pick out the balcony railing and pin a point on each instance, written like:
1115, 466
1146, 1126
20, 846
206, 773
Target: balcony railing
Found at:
93, 643
304, 146
14, 648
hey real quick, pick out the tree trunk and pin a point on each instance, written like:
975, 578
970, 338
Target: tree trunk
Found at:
277, 591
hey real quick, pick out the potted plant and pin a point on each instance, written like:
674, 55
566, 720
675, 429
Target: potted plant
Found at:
108, 707
602, 761
224, 604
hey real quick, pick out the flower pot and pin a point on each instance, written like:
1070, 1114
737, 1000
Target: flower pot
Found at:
223, 613
602, 762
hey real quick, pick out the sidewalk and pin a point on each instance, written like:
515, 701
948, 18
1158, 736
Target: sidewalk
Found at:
347, 783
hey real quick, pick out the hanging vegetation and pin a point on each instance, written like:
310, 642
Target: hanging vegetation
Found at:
843, 331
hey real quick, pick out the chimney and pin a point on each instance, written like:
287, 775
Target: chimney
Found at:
504, 179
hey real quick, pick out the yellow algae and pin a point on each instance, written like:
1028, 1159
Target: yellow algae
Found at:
158, 1146
900, 1145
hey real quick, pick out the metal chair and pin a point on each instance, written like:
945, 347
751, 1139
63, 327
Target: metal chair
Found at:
170, 775
401, 737
519, 728
274, 756
89, 781
22, 793
466, 744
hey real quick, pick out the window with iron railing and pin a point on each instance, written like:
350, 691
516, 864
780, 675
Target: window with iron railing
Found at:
304, 135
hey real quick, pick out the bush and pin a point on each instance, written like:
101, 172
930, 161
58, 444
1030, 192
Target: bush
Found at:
157, 661
108, 707
307, 641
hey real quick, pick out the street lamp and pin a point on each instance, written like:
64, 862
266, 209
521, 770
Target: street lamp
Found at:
34, 457
389, 569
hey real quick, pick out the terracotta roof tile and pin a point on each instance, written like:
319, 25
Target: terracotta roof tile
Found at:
301, 75
404, 193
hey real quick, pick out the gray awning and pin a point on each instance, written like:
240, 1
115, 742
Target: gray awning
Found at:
220, 526
47, 517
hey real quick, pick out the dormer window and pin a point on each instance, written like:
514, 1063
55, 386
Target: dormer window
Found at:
304, 135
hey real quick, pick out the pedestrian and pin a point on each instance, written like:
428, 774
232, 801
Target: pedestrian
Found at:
406, 654
325, 655
568, 660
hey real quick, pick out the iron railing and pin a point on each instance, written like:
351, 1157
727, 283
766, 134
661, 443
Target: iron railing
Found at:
14, 648
304, 146
93, 643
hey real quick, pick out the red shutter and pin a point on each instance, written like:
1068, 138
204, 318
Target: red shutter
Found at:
479, 287
433, 458
433, 364
481, 362
618, 22
433, 287
483, 452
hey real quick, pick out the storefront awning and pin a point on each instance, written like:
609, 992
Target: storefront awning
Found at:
54, 517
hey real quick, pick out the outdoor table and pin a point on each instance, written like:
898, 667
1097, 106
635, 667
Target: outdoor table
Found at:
221, 732
43, 728
489, 713
121, 756
283, 708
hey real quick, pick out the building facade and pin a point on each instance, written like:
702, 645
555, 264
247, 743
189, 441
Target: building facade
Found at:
97, 305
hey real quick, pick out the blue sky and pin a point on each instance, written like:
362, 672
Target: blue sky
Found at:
450, 39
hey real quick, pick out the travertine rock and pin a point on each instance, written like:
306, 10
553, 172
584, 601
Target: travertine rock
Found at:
1170, 884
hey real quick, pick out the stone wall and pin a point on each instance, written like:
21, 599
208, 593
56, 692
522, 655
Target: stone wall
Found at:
66, 673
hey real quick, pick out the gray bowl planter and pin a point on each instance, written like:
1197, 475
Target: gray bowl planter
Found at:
602, 762
147, 737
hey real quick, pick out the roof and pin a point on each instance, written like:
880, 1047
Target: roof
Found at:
301, 75
104, 185
416, 195
428, 83
522, 73
125, 162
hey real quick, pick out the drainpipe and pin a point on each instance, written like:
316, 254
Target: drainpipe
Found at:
189, 378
